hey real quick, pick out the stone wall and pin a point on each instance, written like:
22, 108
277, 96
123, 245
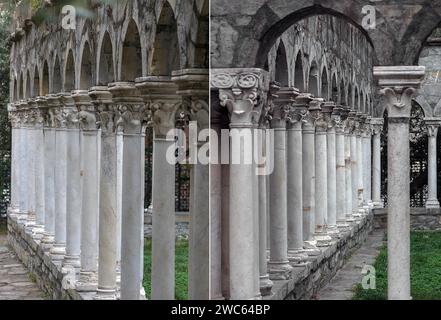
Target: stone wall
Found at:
308, 280
420, 219
48, 276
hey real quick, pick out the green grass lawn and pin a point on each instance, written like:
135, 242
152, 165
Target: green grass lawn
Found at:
425, 270
181, 269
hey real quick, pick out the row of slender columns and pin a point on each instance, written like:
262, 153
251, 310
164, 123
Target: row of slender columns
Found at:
310, 159
79, 182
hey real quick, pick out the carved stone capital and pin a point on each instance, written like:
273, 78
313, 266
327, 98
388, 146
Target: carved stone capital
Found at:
132, 111
243, 92
298, 111
313, 115
106, 112
377, 125
86, 110
285, 97
350, 123
432, 125
70, 110
398, 84
336, 119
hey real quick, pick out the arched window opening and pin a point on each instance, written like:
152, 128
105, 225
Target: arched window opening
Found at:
45, 79
325, 85
334, 92
36, 86
281, 66
313, 80
69, 73
201, 54
86, 69
165, 57
131, 67
106, 72
299, 81
56, 82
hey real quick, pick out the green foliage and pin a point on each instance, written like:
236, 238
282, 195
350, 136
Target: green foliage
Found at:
181, 269
5, 129
425, 258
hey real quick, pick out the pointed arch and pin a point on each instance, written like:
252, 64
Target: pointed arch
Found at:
20, 87
281, 66
313, 79
165, 52
36, 84
45, 79
28, 85
356, 100
350, 96
131, 65
86, 73
106, 72
299, 81
56, 76
325, 84
69, 72
334, 88
343, 97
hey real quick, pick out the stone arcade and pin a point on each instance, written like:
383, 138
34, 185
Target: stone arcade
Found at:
311, 74
81, 101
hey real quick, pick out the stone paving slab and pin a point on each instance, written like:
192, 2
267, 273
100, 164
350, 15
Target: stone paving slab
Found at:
15, 283
342, 285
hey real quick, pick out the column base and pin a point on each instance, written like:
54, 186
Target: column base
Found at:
343, 224
265, 285
38, 232
105, 294
71, 262
297, 257
432, 203
311, 248
57, 253
323, 239
88, 281
378, 204
47, 242
333, 232
279, 270
70, 279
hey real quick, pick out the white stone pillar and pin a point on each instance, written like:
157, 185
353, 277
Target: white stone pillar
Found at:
349, 123
39, 173
107, 221
354, 163
432, 175
297, 113
58, 250
308, 177
398, 85
340, 174
242, 91
360, 161
133, 121
377, 128
30, 163
23, 187
14, 117
279, 267
193, 87
161, 91
90, 168
367, 166
71, 262
49, 172
331, 113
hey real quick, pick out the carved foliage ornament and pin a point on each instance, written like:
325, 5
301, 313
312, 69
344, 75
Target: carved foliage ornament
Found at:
398, 100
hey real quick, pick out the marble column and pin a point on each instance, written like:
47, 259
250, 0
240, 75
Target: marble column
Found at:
49, 172
14, 118
340, 164
161, 92
297, 113
39, 174
279, 268
377, 128
360, 161
321, 175
107, 221
367, 162
30, 163
331, 113
308, 176
349, 126
133, 123
90, 167
58, 250
398, 85
432, 125
242, 92
193, 88
71, 262
354, 163
23, 187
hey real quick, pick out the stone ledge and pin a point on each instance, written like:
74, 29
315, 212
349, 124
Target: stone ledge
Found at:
308, 280
427, 219
48, 276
